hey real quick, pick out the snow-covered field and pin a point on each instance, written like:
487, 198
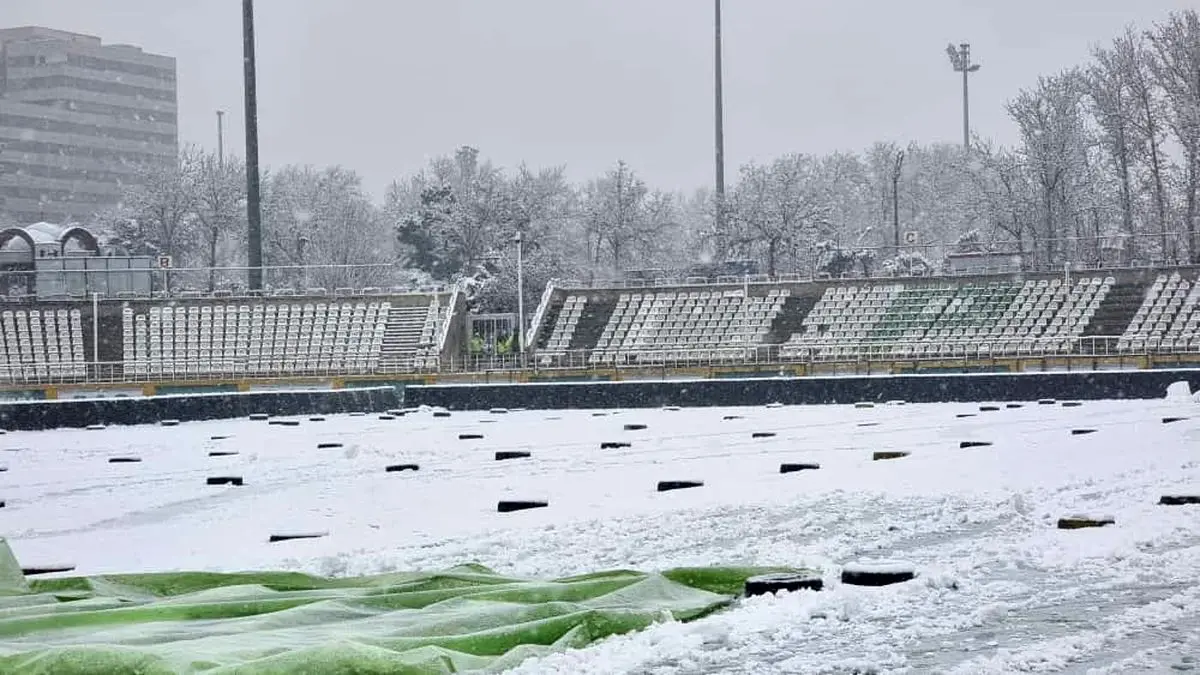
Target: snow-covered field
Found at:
1000, 588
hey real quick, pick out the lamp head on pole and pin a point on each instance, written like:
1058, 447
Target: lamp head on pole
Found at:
955, 57
960, 58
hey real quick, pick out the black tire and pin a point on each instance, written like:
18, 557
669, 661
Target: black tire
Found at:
1179, 500
974, 444
612, 445
394, 468
1082, 432
502, 455
1080, 522
222, 453
328, 446
787, 581
441, 413
634, 427
276, 538
508, 506
670, 485
224, 480
46, 569
865, 575
793, 467
880, 455
470, 437
1171, 420
989, 408
762, 434
124, 460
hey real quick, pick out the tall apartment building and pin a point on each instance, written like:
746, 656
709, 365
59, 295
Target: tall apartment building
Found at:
77, 120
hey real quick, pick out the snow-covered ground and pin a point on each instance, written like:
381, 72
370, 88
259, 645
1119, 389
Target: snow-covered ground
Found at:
1000, 588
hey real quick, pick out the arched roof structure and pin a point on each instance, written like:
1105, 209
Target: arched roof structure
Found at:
49, 233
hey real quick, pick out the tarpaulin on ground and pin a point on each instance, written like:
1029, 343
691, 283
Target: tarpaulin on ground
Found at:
462, 619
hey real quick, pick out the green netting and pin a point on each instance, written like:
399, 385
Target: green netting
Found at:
462, 619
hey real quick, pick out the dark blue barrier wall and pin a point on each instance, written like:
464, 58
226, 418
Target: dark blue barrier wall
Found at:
32, 415
811, 390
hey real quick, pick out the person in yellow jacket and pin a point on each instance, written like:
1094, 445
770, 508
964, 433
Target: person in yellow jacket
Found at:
504, 345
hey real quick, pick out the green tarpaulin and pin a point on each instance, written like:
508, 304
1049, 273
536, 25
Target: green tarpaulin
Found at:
463, 619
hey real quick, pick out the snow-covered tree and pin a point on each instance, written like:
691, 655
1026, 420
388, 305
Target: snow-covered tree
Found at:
1175, 63
1054, 146
220, 210
322, 218
625, 223
157, 216
453, 226
777, 210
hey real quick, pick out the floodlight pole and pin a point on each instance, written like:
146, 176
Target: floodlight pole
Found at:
253, 197
966, 57
221, 139
960, 58
719, 119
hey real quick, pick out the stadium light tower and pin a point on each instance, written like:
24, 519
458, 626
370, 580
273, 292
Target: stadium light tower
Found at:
253, 210
960, 58
719, 110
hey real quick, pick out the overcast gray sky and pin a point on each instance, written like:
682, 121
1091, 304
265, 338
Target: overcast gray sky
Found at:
381, 85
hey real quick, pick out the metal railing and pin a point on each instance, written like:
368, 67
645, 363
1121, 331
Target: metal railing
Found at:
1043, 353
213, 283
805, 278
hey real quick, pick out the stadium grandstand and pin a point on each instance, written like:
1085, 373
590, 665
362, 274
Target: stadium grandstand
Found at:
71, 317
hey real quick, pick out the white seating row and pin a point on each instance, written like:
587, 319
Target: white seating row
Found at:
564, 326
1167, 319
688, 325
39, 344
265, 338
1000, 317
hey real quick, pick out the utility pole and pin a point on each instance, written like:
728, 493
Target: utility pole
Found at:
896, 170
221, 139
520, 242
253, 196
960, 58
719, 110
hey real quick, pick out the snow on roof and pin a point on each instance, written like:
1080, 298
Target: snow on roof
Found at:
45, 234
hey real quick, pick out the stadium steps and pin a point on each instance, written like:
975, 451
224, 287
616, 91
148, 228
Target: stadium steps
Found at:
596, 314
402, 334
549, 321
1116, 311
790, 318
